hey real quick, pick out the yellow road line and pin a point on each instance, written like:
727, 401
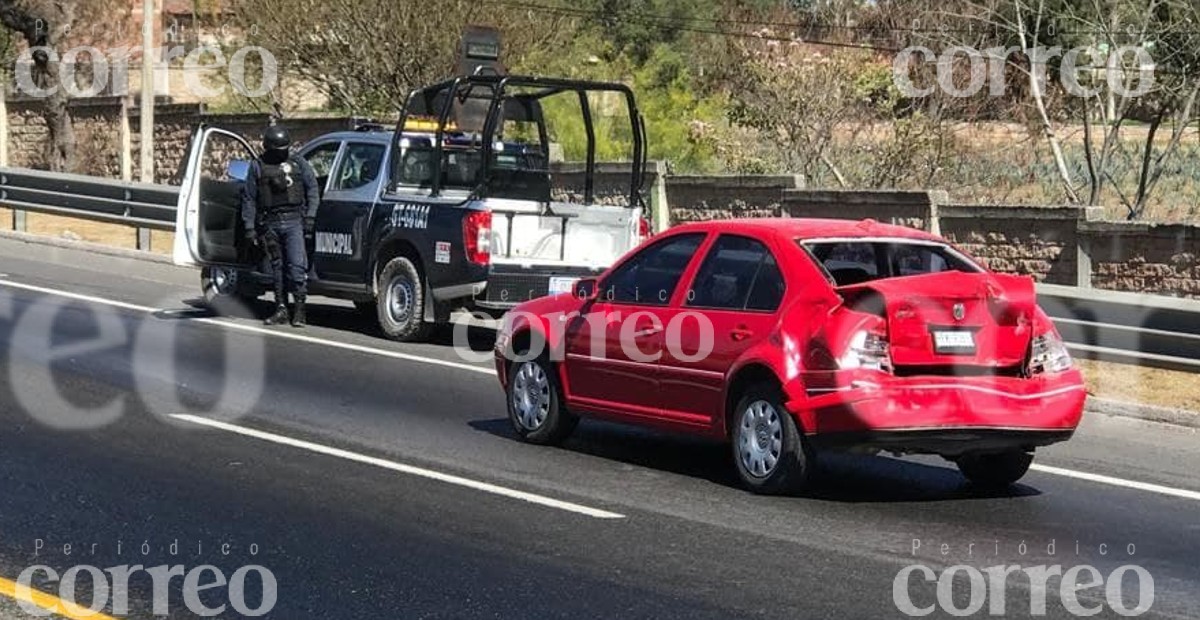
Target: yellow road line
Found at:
48, 602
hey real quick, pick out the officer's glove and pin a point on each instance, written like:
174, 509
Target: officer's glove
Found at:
310, 225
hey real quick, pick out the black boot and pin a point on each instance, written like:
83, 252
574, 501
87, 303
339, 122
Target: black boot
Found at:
298, 317
281, 312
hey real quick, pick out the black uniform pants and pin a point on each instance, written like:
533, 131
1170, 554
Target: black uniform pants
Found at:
283, 239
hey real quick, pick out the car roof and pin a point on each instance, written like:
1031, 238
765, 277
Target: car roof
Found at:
808, 228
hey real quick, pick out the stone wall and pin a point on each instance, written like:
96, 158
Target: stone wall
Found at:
910, 209
698, 198
1042, 242
1064, 245
97, 123
1145, 258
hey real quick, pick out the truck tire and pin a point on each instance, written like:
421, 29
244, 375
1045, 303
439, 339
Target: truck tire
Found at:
400, 304
224, 288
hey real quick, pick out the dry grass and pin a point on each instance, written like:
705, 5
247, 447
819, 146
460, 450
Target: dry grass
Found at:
1139, 384
115, 235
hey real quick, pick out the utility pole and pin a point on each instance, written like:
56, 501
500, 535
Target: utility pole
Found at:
147, 111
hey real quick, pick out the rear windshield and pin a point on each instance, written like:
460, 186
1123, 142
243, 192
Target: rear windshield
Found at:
856, 261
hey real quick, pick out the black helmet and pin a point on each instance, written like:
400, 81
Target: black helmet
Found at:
276, 138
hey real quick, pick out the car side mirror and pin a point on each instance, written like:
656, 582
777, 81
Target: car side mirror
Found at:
238, 170
586, 289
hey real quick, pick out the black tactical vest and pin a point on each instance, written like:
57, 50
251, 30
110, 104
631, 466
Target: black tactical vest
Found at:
281, 188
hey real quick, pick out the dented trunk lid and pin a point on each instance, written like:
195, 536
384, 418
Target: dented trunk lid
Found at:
951, 318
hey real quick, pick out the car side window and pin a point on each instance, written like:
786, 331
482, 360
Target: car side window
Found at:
768, 288
360, 165
728, 275
650, 276
321, 159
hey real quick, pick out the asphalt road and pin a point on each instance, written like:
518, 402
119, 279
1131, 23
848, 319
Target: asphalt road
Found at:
380, 480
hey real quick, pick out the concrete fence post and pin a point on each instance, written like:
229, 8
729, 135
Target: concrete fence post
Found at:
1083, 260
660, 210
933, 222
1083, 246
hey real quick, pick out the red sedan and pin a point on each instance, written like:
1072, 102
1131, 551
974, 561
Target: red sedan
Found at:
785, 337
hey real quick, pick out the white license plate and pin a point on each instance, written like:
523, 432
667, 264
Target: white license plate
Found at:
562, 285
954, 341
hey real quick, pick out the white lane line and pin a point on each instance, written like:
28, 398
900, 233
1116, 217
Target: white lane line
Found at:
288, 335
411, 470
1117, 482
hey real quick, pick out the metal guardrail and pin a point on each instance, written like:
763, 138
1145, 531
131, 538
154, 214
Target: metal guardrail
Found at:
143, 205
1148, 330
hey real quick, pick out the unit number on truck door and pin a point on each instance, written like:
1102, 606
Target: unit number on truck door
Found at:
409, 215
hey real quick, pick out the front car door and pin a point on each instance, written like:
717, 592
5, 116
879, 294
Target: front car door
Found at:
613, 350
731, 305
208, 222
346, 211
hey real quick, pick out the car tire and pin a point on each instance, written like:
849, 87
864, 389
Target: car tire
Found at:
535, 403
223, 288
770, 453
995, 470
400, 304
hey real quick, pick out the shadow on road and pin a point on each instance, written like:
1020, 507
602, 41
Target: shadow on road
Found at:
843, 478
340, 318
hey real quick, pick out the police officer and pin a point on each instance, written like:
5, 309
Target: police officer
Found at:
279, 203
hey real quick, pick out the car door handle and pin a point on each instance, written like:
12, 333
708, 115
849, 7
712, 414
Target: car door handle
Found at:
740, 332
649, 331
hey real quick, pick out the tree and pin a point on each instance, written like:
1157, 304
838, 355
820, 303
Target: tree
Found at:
367, 56
44, 23
1100, 90
833, 115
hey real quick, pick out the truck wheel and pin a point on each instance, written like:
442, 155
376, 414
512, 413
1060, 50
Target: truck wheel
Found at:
995, 470
400, 304
222, 285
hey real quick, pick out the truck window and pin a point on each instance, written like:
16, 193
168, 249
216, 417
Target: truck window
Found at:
360, 165
460, 167
321, 159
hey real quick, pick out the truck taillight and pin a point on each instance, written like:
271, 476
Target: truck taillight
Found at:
477, 236
644, 231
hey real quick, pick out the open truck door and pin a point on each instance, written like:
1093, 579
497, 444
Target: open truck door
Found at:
208, 221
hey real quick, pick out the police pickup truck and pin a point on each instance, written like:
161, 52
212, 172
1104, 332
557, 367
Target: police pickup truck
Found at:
459, 207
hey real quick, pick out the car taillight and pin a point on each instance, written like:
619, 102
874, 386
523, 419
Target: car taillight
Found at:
477, 236
644, 231
1048, 353
867, 350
